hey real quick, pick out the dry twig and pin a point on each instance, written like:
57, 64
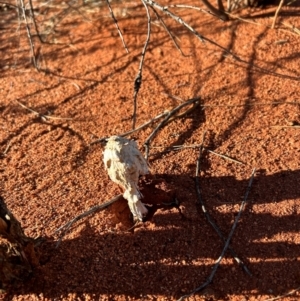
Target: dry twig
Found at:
167, 30
43, 117
224, 157
179, 20
34, 60
195, 101
284, 295
138, 79
296, 126
117, 25
191, 7
92, 210
100, 140
161, 115
34, 21
276, 13
6, 149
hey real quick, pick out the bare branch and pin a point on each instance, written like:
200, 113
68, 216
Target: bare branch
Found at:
44, 117
195, 101
29, 36
138, 79
284, 295
191, 7
117, 25
224, 156
276, 13
92, 210
167, 30
34, 21
6, 149
179, 20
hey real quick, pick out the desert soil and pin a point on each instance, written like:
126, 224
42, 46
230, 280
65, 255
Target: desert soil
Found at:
52, 171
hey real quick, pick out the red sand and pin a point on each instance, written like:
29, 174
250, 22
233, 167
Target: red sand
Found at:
249, 111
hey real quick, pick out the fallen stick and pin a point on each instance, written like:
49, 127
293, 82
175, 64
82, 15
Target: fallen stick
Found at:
167, 30
29, 36
117, 26
138, 79
135, 130
92, 210
42, 116
284, 295
224, 156
195, 101
167, 115
276, 13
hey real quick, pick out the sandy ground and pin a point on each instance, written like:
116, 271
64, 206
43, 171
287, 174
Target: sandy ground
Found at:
249, 111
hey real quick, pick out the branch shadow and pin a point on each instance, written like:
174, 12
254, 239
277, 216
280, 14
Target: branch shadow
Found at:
179, 252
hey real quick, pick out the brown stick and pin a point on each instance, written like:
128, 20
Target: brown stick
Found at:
276, 13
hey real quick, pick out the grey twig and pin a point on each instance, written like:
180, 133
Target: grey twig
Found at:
138, 79
135, 130
92, 210
117, 25
29, 36
226, 246
192, 7
164, 9
43, 117
34, 21
224, 157
195, 101
167, 30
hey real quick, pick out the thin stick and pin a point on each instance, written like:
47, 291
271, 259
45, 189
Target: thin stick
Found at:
211, 276
138, 79
44, 117
179, 147
292, 27
210, 220
6, 149
214, 12
276, 13
99, 140
195, 101
92, 210
224, 157
135, 130
29, 36
117, 25
191, 29
240, 105
285, 126
191, 7
167, 30
34, 21
287, 294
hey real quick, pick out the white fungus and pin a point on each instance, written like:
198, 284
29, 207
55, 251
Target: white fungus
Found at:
124, 164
